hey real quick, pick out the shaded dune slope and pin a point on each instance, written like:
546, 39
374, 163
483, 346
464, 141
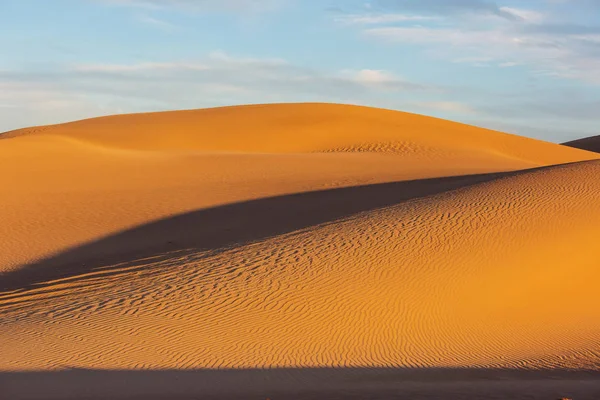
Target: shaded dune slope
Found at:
588, 144
496, 274
231, 225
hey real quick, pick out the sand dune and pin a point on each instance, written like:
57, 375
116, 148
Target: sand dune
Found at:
589, 144
498, 274
295, 236
306, 128
77, 182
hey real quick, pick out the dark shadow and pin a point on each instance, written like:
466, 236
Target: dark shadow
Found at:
588, 143
228, 225
301, 383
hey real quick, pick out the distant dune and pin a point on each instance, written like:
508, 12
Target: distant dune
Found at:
589, 144
77, 182
295, 236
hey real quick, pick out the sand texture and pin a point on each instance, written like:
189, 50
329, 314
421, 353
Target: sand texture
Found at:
310, 239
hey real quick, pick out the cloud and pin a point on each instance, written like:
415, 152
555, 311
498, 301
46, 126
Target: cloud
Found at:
547, 40
530, 16
140, 67
569, 108
202, 5
367, 19
156, 23
379, 79
447, 106
550, 130
448, 7
546, 44
562, 28
87, 90
373, 76
447, 36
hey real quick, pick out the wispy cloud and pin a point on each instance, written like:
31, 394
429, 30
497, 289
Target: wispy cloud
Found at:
572, 56
546, 43
218, 79
382, 80
530, 16
446, 7
132, 68
156, 23
447, 106
202, 5
368, 19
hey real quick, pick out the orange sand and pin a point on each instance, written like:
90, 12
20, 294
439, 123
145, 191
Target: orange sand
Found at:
497, 271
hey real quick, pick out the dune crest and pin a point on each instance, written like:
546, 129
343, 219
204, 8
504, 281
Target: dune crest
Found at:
78, 182
304, 128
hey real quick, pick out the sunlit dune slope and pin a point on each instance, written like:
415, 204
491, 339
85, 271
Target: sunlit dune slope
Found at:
307, 128
70, 184
589, 144
502, 273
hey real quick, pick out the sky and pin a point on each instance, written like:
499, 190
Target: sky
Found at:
525, 67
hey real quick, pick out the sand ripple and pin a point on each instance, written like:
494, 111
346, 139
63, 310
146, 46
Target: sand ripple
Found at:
499, 274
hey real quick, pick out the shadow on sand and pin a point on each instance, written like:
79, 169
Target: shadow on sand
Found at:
228, 225
296, 384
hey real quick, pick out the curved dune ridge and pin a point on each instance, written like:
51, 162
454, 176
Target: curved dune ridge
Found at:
77, 182
295, 236
497, 275
306, 128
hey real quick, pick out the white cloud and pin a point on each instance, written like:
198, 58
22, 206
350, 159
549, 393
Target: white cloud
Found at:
87, 90
146, 66
373, 76
566, 56
373, 19
156, 23
383, 81
448, 7
224, 58
447, 106
378, 78
526, 15
483, 34
452, 36
202, 5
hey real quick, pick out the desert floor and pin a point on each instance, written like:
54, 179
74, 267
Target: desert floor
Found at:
296, 251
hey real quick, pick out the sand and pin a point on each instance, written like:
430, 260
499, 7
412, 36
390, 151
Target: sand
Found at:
589, 144
294, 238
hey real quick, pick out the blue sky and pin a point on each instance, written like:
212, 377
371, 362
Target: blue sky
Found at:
526, 67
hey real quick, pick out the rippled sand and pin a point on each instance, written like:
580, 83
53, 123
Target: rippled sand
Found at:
299, 238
